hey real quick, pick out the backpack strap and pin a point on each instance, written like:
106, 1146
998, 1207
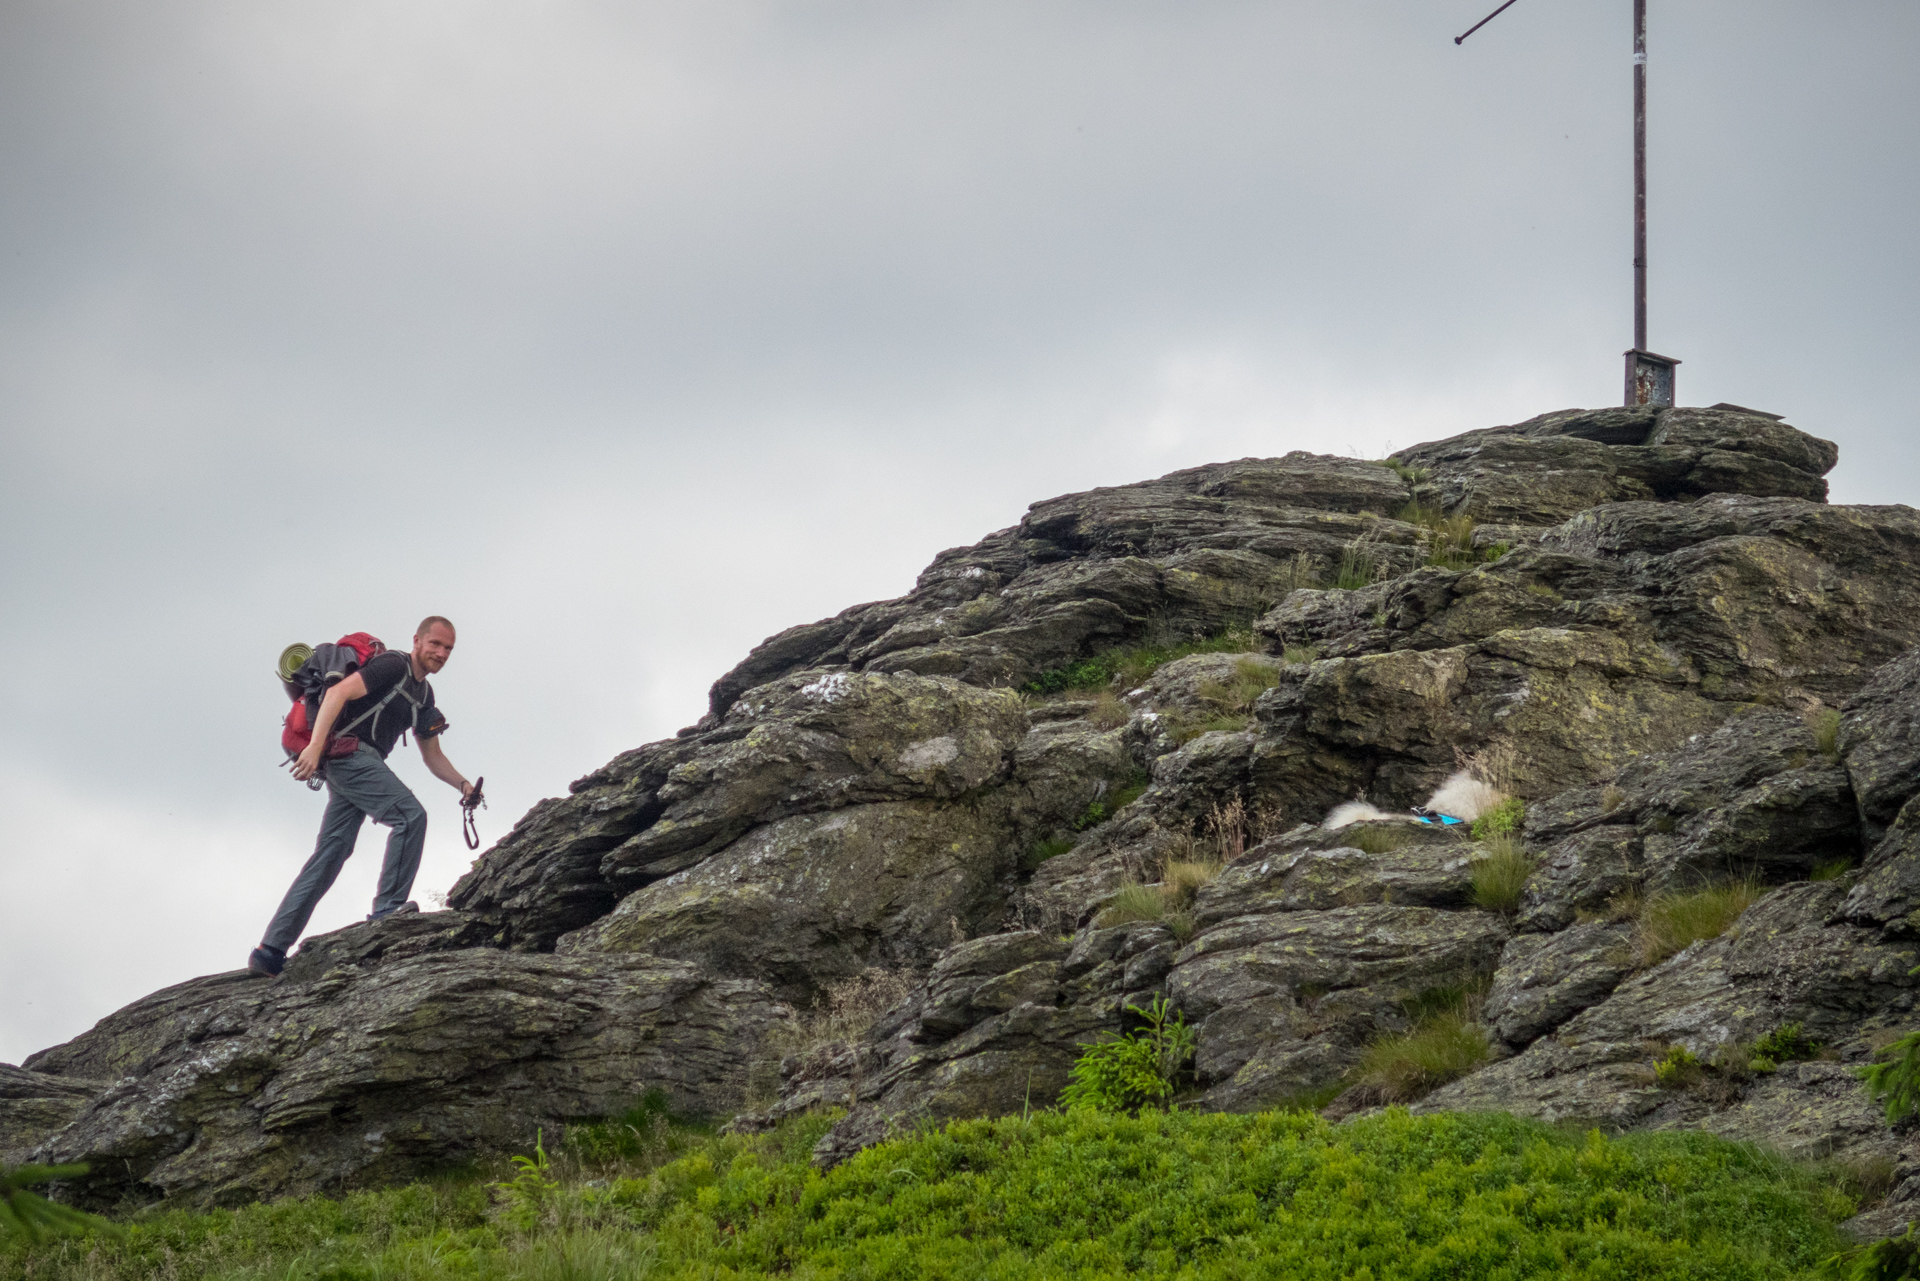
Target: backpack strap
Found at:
373, 712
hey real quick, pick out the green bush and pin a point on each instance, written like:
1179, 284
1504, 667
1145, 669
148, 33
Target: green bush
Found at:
1678, 1068
1132, 1072
1894, 1259
1504, 819
1785, 1044
1084, 1195
1893, 1078
1500, 875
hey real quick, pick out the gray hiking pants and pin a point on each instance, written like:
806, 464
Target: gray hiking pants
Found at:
359, 787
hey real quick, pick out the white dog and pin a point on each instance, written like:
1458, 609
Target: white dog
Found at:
1461, 796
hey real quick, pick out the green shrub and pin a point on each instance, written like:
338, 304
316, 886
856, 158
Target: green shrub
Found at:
1207, 1196
1504, 819
1441, 1047
1678, 1068
1674, 920
1123, 668
1893, 1079
1831, 869
527, 1196
1500, 875
1144, 1069
1785, 1044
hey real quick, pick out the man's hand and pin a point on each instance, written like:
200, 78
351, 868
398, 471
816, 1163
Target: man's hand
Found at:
466, 790
307, 764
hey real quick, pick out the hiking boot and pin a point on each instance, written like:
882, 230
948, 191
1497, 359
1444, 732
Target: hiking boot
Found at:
266, 962
408, 906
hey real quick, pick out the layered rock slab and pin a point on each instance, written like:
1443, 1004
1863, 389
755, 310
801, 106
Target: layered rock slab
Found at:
231, 1089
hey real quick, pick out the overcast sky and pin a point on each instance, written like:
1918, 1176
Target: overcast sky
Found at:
627, 334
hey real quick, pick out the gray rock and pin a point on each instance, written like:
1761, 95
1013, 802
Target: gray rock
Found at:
238, 1090
1879, 739
1581, 872
35, 1104
1545, 980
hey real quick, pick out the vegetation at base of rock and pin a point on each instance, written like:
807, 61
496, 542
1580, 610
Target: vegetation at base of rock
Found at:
1360, 565
1184, 729
1251, 678
1167, 901
1787, 1043
1893, 1078
1100, 810
1125, 667
1081, 1194
1674, 920
848, 1009
1677, 1068
1504, 819
1446, 1042
1109, 711
1293, 654
1500, 874
1051, 848
1144, 1069
1832, 869
26, 1213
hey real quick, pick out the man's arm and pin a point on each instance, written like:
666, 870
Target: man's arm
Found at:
441, 767
337, 697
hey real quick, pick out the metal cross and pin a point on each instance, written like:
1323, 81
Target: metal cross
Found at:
1650, 377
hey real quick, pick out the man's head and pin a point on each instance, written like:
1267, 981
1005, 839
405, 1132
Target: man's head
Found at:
432, 644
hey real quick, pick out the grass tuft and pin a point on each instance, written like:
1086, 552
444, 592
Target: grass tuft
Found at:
1825, 724
1378, 838
1831, 869
1109, 711
1442, 1047
1674, 920
1500, 874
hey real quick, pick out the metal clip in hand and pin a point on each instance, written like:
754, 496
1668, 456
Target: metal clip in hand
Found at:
472, 801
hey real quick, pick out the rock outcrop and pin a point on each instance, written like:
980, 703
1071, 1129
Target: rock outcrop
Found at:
1647, 624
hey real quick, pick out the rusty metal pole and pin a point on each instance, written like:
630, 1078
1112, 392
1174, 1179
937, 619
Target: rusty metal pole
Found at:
1640, 174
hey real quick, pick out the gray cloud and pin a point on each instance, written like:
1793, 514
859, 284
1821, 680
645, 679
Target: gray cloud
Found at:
627, 335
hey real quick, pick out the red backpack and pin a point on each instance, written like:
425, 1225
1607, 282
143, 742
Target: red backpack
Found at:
323, 667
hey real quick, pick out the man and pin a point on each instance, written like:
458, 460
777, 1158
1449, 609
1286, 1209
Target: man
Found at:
388, 696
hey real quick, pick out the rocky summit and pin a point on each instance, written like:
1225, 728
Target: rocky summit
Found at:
1087, 763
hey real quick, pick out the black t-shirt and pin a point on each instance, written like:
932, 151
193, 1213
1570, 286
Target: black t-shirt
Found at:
412, 708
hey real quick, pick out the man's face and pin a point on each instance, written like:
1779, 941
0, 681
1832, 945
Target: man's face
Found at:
433, 647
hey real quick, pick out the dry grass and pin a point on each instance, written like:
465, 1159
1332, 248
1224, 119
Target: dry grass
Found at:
1500, 874
1673, 920
1109, 711
1226, 826
848, 1009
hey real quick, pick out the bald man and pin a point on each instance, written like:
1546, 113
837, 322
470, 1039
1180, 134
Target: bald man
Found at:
386, 698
